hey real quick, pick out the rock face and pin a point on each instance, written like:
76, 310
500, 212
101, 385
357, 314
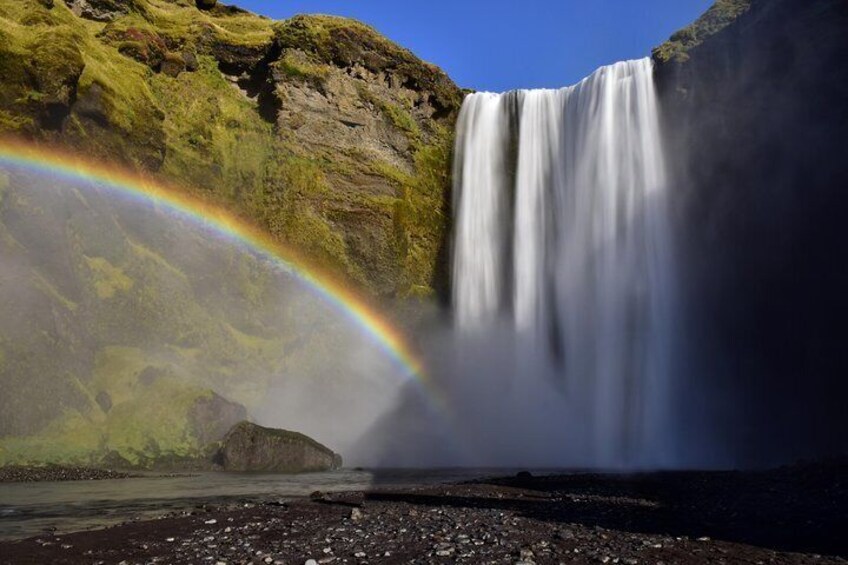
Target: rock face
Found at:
211, 416
756, 102
333, 138
318, 129
99, 10
248, 447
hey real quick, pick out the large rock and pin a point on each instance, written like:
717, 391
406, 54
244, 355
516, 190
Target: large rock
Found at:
99, 10
249, 447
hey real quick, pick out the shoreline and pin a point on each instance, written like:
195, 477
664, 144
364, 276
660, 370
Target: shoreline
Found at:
60, 473
787, 515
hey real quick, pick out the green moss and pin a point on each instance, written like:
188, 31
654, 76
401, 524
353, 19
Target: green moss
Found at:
402, 120
342, 41
200, 132
107, 278
294, 64
217, 141
291, 208
719, 16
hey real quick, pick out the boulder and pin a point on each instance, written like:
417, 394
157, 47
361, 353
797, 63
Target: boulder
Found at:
249, 447
173, 65
99, 10
206, 4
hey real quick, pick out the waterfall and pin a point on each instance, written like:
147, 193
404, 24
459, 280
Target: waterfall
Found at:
561, 232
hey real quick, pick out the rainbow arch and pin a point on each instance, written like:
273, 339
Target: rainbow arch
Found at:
49, 160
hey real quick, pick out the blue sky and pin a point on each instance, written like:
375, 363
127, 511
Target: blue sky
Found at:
504, 44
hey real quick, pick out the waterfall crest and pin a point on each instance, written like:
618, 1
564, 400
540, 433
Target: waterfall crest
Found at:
562, 233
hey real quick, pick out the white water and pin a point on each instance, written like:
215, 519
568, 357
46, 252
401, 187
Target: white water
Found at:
561, 232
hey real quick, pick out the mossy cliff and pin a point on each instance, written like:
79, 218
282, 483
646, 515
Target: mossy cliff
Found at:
335, 139
130, 336
755, 101
131, 340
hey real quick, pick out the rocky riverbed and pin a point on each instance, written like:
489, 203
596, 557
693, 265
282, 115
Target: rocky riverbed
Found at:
32, 474
794, 515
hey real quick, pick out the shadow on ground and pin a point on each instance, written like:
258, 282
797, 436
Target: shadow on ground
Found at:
800, 509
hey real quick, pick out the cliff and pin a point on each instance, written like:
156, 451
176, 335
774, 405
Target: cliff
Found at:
755, 96
129, 337
333, 138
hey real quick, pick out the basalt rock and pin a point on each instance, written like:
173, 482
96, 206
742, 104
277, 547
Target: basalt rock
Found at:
249, 447
755, 96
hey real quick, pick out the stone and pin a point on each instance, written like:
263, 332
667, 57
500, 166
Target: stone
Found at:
206, 4
190, 60
173, 65
104, 401
250, 447
99, 10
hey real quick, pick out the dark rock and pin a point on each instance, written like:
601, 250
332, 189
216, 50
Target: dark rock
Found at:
99, 10
211, 417
206, 4
756, 110
104, 400
249, 447
114, 460
173, 65
24, 474
190, 60
149, 375
144, 46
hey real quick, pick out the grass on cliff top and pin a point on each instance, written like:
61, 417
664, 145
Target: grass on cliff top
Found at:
718, 17
187, 26
343, 41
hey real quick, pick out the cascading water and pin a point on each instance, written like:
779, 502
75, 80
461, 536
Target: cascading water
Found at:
562, 231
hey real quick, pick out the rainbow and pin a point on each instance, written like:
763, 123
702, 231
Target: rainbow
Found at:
49, 160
